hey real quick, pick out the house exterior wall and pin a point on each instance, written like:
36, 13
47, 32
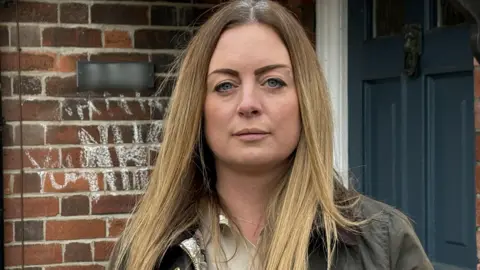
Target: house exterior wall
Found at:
74, 163
477, 150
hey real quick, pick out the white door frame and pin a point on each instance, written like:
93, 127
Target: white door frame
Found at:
332, 49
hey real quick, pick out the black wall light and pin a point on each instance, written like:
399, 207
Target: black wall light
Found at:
99, 76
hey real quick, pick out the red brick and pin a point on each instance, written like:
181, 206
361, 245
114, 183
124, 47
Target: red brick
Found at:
8, 232
160, 39
117, 39
73, 13
31, 134
114, 204
12, 159
61, 86
477, 81
33, 254
7, 182
117, 110
28, 61
31, 183
77, 182
119, 57
75, 229
72, 37
477, 147
68, 134
103, 250
29, 36
8, 137
116, 227
76, 267
41, 158
80, 157
11, 110
75, 205
43, 110
31, 230
68, 62
74, 158
31, 12
32, 207
119, 14
28, 85
75, 109
4, 36
78, 252
5, 86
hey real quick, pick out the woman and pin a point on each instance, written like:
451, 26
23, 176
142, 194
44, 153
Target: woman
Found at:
244, 178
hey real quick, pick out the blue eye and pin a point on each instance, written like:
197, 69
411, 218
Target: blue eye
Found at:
275, 83
223, 87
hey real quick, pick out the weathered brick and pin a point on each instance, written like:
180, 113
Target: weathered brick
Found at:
29, 36
28, 61
12, 159
126, 181
76, 267
114, 204
31, 134
32, 207
31, 12
135, 133
68, 62
75, 205
75, 229
4, 39
78, 252
80, 157
117, 39
8, 137
158, 108
28, 85
33, 254
8, 232
121, 110
11, 109
119, 14
73, 13
5, 86
57, 182
163, 62
116, 227
31, 230
119, 57
161, 39
163, 15
61, 86
44, 110
194, 16
72, 37
37, 158
31, 183
68, 134
7, 184
103, 249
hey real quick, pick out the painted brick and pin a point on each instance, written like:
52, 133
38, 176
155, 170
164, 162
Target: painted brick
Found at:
110, 204
28, 85
31, 230
37, 158
73, 13
78, 252
75, 205
32, 207
119, 14
161, 39
103, 250
31, 12
75, 109
118, 39
28, 61
33, 254
29, 36
75, 229
72, 37
76, 182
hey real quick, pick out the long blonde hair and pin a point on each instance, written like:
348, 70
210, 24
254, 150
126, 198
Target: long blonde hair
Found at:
306, 200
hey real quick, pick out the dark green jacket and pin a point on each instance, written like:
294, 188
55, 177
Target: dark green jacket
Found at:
388, 241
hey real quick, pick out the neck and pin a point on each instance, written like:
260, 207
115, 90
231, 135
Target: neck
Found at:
245, 196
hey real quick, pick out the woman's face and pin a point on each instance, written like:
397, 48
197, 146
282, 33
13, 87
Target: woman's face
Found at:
252, 118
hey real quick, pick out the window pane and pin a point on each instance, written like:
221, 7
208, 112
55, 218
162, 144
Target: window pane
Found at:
388, 17
448, 14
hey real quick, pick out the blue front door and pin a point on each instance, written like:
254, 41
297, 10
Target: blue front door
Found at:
411, 134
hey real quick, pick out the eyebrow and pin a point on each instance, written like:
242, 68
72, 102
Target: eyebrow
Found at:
257, 72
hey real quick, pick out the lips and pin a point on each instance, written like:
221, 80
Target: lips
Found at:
252, 134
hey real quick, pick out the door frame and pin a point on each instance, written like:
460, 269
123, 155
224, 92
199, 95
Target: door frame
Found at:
332, 51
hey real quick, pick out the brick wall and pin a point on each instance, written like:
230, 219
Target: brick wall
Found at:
75, 163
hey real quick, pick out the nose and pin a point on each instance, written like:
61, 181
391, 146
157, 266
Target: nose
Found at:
249, 105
